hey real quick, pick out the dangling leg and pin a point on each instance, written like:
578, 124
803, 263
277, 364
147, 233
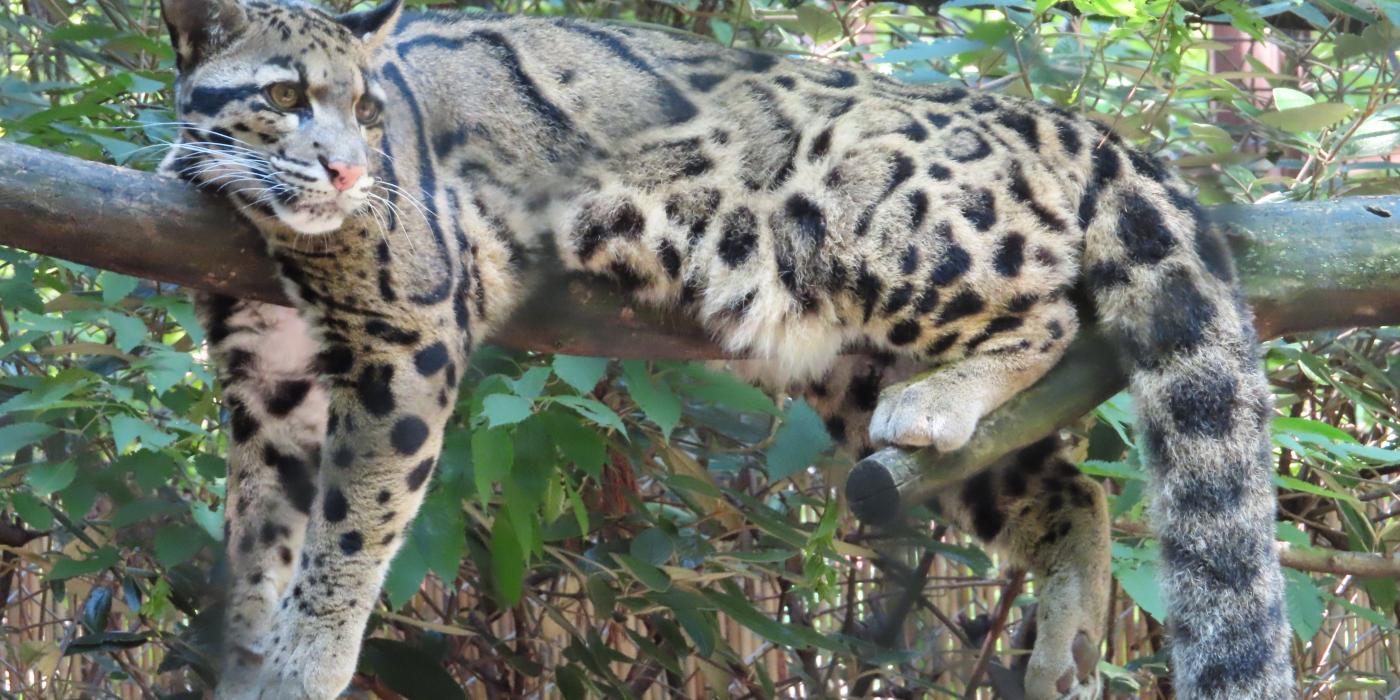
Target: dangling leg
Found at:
1050, 519
277, 418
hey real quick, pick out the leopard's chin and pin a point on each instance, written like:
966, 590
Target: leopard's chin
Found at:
310, 219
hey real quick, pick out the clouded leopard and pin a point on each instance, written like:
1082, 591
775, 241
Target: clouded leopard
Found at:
403, 168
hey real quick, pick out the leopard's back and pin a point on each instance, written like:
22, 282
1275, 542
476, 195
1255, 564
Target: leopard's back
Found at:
797, 208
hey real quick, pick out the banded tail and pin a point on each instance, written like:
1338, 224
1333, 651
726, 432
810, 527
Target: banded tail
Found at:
1164, 287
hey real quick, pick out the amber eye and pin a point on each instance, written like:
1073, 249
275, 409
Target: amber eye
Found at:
284, 95
367, 111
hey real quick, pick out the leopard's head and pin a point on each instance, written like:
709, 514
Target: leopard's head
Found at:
278, 106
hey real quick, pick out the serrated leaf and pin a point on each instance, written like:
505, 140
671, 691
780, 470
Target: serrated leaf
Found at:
493, 454
31, 510
130, 331
128, 429
655, 399
649, 576
507, 562
801, 439
115, 286
505, 409
652, 546
408, 670
16, 436
45, 479
66, 568
1305, 607
579, 444
581, 373
406, 574
1139, 578
530, 384
176, 544
596, 411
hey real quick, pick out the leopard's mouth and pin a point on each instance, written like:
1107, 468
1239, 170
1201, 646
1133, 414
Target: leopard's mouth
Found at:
313, 211
314, 217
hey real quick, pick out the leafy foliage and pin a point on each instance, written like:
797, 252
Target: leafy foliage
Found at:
601, 528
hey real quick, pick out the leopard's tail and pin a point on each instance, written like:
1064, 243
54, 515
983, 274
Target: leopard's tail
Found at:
1163, 284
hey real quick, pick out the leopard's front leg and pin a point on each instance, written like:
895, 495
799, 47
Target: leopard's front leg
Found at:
389, 402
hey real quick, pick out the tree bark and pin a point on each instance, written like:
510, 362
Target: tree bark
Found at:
1304, 266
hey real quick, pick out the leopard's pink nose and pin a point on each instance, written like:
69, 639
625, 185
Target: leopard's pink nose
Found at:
343, 175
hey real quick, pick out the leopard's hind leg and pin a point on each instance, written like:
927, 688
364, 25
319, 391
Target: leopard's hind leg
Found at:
276, 419
1037, 509
1034, 507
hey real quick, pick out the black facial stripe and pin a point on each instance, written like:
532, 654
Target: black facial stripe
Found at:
212, 100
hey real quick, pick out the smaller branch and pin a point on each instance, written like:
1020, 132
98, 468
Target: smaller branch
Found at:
1315, 559
1332, 561
989, 644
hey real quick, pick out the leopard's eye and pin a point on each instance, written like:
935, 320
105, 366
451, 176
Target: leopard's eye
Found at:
284, 95
367, 111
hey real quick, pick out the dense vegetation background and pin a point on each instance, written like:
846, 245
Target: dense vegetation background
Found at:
659, 529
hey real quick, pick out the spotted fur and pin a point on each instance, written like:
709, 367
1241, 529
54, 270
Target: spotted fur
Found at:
798, 210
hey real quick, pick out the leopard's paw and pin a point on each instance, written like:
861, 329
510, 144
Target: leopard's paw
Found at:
297, 661
1064, 674
924, 413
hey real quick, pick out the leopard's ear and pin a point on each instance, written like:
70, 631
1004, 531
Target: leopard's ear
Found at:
200, 27
373, 26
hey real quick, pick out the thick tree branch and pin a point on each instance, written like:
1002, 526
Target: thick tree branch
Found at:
1305, 266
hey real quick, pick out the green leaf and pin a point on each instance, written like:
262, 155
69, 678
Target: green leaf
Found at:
1311, 118
735, 604
17, 436
211, 467
648, 575
931, 50
31, 510
581, 373
970, 556
801, 439
129, 514
493, 454
128, 429
818, 23
507, 562
1137, 574
96, 609
176, 544
66, 568
530, 384
1288, 98
45, 479
580, 445
655, 399
151, 470
440, 534
208, 519
115, 286
405, 575
409, 670
652, 546
1305, 607
130, 330
105, 642
596, 411
505, 409
726, 390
